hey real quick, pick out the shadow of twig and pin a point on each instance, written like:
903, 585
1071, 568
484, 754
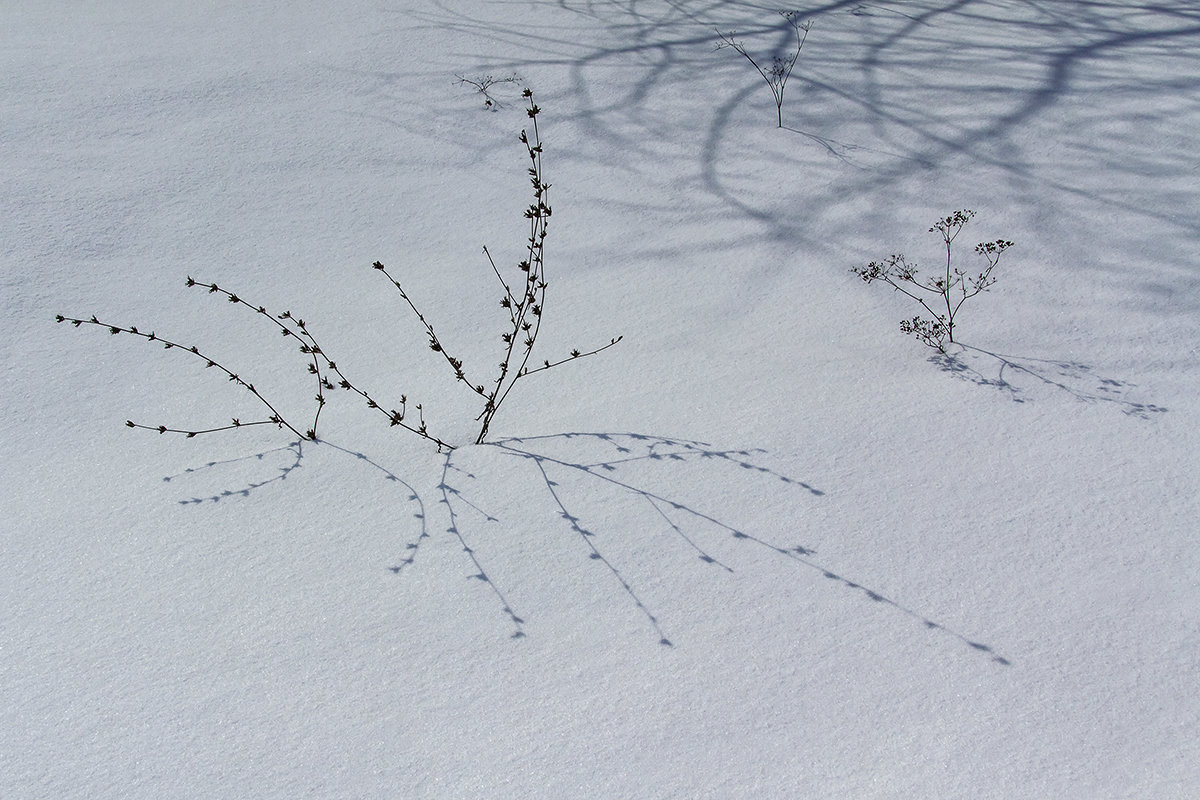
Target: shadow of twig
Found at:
842, 151
985, 368
619, 455
296, 448
414, 496
480, 574
628, 448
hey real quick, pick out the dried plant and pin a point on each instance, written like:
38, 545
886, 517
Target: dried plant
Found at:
523, 299
950, 288
483, 84
524, 303
777, 74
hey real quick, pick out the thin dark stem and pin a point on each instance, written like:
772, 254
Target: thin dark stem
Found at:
576, 354
899, 274
524, 301
508, 295
946, 293
435, 343
781, 68
189, 434
524, 305
533, 299
309, 349
275, 418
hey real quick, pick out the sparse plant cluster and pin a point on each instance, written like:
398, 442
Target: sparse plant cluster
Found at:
523, 299
948, 289
780, 69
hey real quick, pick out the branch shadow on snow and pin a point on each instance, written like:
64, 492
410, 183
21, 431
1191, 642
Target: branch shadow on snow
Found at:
1010, 374
622, 450
615, 462
629, 464
625, 449
892, 89
295, 452
412, 496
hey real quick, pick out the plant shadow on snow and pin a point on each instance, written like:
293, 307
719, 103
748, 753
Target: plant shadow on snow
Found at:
295, 451
574, 469
985, 368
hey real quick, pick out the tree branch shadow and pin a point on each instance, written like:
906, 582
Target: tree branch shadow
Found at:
413, 496
480, 573
869, 79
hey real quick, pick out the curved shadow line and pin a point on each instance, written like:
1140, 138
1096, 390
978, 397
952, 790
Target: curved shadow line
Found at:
296, 447
413, 495
1091, 32
480, 573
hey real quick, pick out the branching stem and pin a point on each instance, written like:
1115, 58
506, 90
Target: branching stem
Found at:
275, 418
524, 299
953, 287
780, 70
524, 305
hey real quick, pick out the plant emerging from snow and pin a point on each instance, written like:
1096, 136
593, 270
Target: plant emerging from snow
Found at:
777, 74
522, 299
948, 289
483, 84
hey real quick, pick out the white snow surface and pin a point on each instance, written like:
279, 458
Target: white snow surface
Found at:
765, 547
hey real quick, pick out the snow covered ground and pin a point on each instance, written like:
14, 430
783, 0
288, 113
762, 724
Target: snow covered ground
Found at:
765, 547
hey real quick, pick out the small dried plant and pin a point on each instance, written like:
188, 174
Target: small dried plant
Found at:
523, 299
948, 289
777, 74
483, 84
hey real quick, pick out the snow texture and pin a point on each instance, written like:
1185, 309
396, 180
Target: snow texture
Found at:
765, 547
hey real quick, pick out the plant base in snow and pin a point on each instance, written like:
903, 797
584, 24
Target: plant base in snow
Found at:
780, 70
948, 289
523, 299
483, 84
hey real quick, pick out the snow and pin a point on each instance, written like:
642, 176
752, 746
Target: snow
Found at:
764, 547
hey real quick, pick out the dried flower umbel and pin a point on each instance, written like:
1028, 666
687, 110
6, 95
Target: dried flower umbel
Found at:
948, 289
